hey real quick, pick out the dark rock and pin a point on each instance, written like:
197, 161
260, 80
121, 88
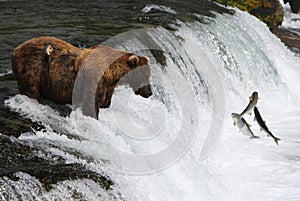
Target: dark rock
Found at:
289, 38
16, 157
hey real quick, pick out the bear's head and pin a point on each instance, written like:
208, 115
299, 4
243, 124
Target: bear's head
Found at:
106, 68
140, 76
136, 74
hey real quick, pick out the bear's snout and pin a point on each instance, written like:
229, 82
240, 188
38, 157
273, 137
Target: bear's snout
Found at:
144, 91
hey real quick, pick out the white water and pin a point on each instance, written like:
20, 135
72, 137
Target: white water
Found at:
291, 20
161, 8
208, 65
6, 73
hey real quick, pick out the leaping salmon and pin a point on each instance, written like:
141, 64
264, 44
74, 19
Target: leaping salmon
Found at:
263, 125
253, 101
241, 123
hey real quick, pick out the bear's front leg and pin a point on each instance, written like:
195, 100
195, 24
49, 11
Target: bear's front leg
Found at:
30, 85
100, 97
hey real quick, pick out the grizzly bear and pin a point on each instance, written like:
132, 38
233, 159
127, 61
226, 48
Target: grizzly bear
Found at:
50, 68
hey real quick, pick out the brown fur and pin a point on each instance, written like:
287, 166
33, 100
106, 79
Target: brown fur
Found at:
48, 67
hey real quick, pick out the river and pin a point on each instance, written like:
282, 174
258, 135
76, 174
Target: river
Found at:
179, 144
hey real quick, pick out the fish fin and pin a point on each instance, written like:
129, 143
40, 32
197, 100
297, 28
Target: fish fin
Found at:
254, 136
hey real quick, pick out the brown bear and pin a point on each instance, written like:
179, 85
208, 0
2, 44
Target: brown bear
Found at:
50, 68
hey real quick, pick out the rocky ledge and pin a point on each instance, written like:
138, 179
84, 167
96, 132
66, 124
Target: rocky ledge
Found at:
269, 11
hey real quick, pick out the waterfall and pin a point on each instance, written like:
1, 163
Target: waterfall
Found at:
180, 143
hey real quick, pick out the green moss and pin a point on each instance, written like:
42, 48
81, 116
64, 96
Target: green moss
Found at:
250, 4
268, 11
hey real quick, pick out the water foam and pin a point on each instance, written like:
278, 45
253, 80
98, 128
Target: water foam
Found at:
245, 59
161, 8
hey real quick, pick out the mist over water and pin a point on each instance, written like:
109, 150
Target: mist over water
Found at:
207, 69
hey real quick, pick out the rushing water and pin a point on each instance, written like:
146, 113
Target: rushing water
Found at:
180, 143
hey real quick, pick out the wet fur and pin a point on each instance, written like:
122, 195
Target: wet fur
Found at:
47, 67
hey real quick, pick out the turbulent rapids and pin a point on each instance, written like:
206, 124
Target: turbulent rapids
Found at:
179, 144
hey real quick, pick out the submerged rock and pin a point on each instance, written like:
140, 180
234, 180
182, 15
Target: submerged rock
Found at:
269, 11
17, 157
289, 38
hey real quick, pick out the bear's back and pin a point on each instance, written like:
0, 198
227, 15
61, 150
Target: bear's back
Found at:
53, 72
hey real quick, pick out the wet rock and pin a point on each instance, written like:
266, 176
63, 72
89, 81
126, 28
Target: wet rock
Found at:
289, 38
159, 56
269, 11
16, 157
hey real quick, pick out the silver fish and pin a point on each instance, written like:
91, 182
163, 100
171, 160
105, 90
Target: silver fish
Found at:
263, 125
241, 123
253, 101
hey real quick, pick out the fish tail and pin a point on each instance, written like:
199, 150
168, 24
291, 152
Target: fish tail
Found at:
276, 139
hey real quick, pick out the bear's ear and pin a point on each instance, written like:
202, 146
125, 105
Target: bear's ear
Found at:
147, 59
133, 61
48, 49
